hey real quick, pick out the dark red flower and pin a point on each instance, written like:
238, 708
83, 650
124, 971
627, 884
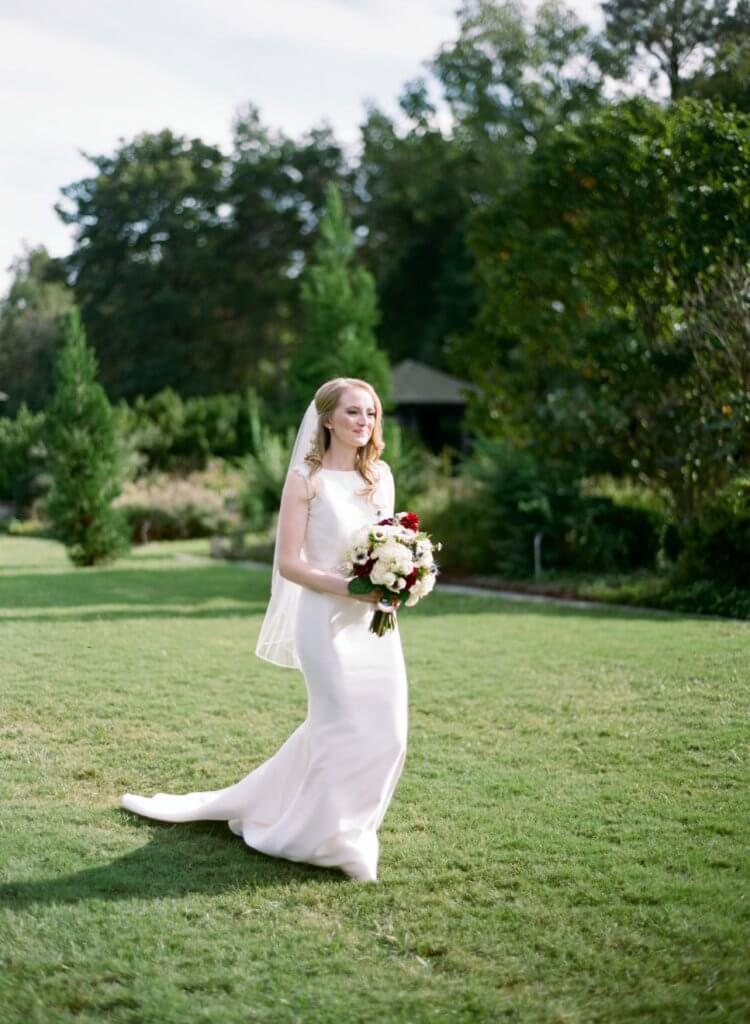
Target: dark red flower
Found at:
386, 522
410, 520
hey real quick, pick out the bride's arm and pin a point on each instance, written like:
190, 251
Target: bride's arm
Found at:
290, 536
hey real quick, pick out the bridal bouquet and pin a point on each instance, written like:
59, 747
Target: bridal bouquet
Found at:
393, 556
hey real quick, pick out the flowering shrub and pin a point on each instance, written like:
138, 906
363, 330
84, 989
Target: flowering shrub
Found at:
163, 507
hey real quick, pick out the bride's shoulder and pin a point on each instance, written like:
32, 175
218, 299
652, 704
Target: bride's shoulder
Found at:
301, 478
385, 476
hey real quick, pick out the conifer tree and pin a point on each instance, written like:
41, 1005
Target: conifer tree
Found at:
83, 457
340, 314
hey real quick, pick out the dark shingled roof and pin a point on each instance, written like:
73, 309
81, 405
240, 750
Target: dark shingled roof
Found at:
417, 383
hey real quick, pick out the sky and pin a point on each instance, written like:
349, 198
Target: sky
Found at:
77, 77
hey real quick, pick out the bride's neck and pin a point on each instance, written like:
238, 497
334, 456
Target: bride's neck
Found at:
339, 457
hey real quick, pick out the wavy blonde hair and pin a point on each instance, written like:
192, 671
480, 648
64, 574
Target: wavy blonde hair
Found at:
327, 398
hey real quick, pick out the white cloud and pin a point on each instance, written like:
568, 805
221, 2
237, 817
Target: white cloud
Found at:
378, 28
81, 75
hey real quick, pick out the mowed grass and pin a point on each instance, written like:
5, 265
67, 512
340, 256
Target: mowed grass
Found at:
568, 842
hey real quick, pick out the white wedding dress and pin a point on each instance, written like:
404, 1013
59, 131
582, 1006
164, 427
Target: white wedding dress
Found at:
322, 796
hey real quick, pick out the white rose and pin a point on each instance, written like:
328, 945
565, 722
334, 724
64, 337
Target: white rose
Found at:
428, 582
389, 549
379, 573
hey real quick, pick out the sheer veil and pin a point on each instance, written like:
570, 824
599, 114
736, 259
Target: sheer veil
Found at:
276, 639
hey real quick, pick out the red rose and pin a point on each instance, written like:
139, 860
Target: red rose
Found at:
410, 520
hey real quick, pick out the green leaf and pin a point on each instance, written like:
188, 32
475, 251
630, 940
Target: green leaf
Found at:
361, 585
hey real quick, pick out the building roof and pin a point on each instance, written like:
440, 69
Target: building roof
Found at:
416, 383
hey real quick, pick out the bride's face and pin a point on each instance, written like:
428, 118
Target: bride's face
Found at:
353, 420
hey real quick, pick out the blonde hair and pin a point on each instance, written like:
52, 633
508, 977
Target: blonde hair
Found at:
327, 398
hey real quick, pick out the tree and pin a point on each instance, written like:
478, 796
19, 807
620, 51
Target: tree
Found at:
83, 457
508, 82
31, 329
673, 33
726, 78
143, 266
715, 325
276, 190
415, 195
586, 270
340, 314
187, 260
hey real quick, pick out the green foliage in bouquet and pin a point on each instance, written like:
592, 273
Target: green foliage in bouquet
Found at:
83, 457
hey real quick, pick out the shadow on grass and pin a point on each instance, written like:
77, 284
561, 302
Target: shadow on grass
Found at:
180, 590
145, 612
186, 586
178, 860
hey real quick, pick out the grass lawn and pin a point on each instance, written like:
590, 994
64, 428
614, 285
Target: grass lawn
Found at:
568, 842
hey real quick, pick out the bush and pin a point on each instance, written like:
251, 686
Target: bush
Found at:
507, 496
704, 597
165, 507
607, 537
520, 497
416, 470
450, 514
717, 541
21, 456
172, 433
265, 470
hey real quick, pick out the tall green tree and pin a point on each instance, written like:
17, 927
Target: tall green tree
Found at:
143, 263
507, 80
726, 78
32, 324
415, 206
674, 34
580, 346
186, 260
510, 79
340, 314
276, 192
83, 457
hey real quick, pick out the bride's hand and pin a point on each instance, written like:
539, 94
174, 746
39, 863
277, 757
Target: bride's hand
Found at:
374, 596
377, 594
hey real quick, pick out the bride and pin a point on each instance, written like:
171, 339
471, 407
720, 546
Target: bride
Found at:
322, 796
